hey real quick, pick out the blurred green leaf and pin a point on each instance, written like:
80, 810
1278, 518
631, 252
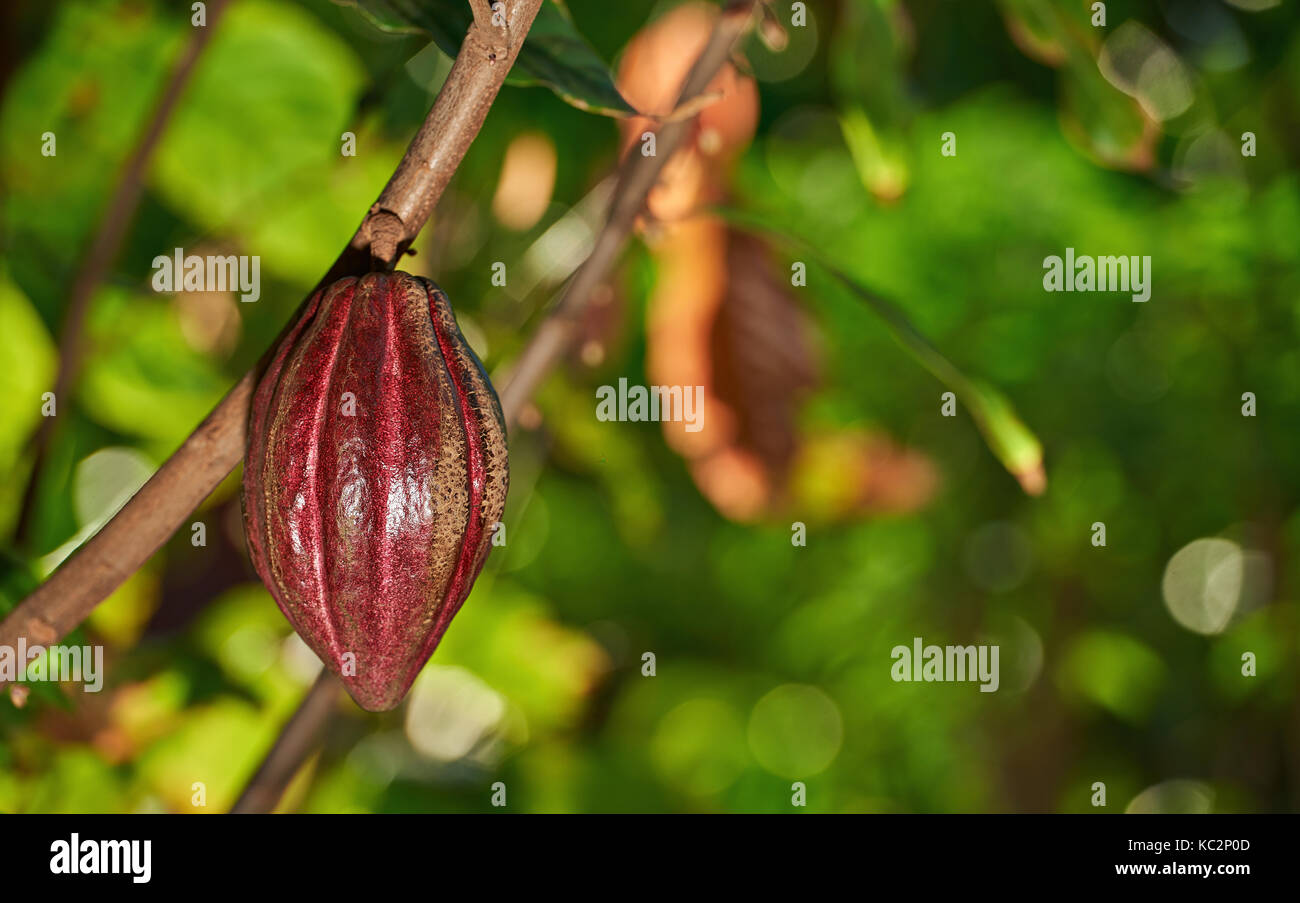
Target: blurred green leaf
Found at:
504, 636
1013, 443
299, 226
28, 360
217, 745
143, 378
91, 83
78, 781
246, 634
271, 96
1115, 671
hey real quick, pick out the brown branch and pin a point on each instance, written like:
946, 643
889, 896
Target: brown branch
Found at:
291, 749
211, 452
637, 176
141, 527
103, 251
458, 112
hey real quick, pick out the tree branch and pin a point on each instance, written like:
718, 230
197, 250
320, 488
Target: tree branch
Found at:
211, 452
636, 177
138, 530
435, 153
104, 248
292, 748
552, 339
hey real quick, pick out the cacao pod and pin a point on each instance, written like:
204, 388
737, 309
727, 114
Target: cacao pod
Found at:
375, 470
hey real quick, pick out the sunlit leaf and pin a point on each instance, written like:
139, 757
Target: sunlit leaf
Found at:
272, 95
218, 745
505, 637
27, 360
78, 781
142, 378
1115, 671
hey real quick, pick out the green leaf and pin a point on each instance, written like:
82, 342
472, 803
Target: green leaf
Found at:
90, 84
555, 54
1115, 671
27, 360
77, 781
221, 742
1008, 438
1013, 443
270, 98
143, 379
507, 637
294, 230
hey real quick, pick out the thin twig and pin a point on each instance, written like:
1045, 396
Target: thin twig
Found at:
103, 251
138, 530
291, 749
636, 177
211, 452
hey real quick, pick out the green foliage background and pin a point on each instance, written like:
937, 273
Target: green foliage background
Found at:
773, 662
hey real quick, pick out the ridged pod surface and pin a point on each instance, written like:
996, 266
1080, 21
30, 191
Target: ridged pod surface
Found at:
375, 470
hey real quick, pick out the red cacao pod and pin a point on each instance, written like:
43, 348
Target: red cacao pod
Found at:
369, 515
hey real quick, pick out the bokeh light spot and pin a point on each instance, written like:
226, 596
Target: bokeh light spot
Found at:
1202, 584
699, 746
1176, 797
452, 714
795, 731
